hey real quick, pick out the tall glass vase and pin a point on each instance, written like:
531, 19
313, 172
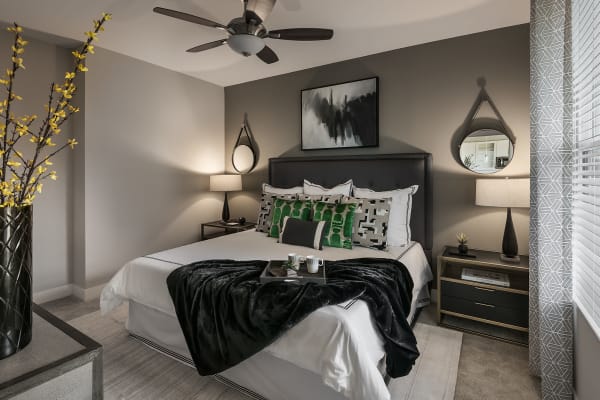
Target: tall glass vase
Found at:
15, 279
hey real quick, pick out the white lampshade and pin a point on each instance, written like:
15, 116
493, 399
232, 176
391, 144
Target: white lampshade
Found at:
225, 183
502, 192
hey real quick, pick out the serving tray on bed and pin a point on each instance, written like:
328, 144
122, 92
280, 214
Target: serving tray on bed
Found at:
274, 272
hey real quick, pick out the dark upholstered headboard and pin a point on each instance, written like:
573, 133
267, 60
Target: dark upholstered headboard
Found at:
378, 172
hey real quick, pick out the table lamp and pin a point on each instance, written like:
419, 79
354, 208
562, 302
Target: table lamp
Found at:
225, 183
509, 193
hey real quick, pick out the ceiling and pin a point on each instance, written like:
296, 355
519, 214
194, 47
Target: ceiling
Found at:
362, 27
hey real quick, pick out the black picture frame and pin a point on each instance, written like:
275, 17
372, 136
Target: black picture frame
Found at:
363, 116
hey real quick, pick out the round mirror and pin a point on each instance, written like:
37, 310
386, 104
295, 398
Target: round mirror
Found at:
243, 158
486, 151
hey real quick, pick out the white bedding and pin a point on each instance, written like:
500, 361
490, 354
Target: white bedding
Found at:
347, 349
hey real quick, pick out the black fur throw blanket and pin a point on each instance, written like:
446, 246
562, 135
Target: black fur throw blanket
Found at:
227, 315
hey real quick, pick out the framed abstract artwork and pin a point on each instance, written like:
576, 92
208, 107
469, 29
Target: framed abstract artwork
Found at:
343, 115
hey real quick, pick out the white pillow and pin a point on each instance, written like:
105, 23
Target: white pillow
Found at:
343, 188
398, 233
275, 190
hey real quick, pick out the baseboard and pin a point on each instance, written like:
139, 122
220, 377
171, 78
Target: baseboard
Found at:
56, 293
89, 293
60, 292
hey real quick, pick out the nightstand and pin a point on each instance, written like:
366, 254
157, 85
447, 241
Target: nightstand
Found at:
501, 312
226, 228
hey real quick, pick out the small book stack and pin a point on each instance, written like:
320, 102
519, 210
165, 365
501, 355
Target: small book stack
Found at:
488, 277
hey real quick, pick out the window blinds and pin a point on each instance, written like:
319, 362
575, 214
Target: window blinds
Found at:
586, 159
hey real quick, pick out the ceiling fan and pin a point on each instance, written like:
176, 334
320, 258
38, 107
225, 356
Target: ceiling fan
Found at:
247, 33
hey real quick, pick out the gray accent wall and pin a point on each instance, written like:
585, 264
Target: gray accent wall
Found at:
426, 92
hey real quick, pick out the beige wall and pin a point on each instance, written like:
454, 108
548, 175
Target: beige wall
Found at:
152, 137
426, 92
78, 188
587, 359
138, 181
45, 63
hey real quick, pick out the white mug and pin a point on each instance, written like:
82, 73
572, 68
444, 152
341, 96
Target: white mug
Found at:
294, 259
313, 263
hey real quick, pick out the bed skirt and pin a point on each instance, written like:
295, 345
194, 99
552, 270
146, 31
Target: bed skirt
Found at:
262, 376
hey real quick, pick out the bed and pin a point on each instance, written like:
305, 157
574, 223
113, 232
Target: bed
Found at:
333, 354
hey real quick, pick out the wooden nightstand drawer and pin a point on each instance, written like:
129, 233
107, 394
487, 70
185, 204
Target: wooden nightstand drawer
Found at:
491, 312
486, 295
486, 309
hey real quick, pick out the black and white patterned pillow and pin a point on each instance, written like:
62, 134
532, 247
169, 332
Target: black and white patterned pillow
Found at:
326, 198
399, 233
263, 222
371, 221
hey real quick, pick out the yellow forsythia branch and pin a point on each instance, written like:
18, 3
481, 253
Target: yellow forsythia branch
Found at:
21, 174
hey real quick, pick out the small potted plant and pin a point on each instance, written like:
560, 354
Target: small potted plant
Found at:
462, 243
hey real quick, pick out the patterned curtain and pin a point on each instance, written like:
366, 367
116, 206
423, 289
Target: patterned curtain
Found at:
551, 308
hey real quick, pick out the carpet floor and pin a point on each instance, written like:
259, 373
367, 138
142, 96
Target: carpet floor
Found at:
490, 369
133, 371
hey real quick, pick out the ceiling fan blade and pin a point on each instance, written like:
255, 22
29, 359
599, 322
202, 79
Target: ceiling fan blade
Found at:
207, 46
267, 55
189, 18
304, 34
258, 10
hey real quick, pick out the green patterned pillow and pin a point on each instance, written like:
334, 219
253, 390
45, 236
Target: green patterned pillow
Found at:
287, 208
338, 232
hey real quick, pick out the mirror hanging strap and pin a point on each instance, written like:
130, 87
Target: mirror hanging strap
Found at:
244, 129
482, 98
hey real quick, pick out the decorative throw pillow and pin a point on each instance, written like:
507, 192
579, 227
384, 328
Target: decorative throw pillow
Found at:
401, 208
263, 221
371, 220
327, 198
275, 190
340, 218
287, 208
302, 233
312, 188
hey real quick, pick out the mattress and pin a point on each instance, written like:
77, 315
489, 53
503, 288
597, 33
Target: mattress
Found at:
347, 349
144, 279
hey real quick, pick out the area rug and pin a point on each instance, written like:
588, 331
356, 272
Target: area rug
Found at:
434, 374
133, 371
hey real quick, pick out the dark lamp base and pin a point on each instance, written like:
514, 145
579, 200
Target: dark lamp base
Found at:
510, 259
225, 213
510, 247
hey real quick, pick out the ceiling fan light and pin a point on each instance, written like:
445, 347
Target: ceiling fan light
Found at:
247, 45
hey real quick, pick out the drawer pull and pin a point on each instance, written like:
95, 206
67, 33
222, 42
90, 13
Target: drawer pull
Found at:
484, 289
485, 305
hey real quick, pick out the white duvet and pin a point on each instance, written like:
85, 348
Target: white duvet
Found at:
340, 343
